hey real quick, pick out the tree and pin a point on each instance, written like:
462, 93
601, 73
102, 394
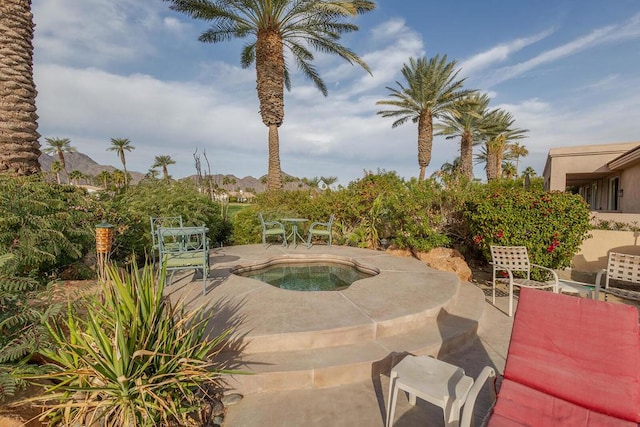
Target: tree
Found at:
118, 177
509, 170
529, 171
104, 178
163, 162
75, 176
59, 146
432, 91
56, 167
498, 137
467, 121
19, 147
120, 145
275, 26
516, 151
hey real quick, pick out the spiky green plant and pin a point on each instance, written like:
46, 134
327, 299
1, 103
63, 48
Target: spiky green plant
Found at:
136, 359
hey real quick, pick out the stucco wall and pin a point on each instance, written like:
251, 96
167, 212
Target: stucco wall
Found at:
595, 250
629, 179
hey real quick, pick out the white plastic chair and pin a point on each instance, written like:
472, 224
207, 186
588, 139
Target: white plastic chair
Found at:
516, 258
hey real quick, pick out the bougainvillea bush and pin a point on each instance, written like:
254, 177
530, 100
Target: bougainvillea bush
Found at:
552, 225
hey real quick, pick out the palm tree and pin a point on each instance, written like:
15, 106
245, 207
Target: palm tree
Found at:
118, 177
529, 171
75, 176
19, 147
120, 145
163, 162
498, 137
104, 178
275, 26
59, 146
432, 92
152, 173
516, 151
56, 167
509, 170
467, 121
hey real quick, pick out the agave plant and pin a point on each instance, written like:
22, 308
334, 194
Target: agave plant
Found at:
134, 359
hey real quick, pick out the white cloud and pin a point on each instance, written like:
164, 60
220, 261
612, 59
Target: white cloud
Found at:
499, 53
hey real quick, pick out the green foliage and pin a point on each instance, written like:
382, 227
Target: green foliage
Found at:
25, 308
131, 210
552, 225
44, 227
135, 359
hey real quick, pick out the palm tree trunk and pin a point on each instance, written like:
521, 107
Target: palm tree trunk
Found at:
19, 147
270, 86
124, 167
165, 172
274, 179
425, 142
466, 155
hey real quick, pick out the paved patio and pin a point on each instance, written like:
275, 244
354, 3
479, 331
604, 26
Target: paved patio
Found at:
364, 403
267, 315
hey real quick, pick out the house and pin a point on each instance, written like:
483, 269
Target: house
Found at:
605, 175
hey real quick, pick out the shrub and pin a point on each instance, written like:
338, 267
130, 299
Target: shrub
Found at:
25, 308
552, 225
44, 228
136, 359
130, 213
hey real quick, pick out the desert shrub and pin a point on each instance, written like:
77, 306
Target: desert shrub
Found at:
131, 210
552, 225
134, 359
44, 227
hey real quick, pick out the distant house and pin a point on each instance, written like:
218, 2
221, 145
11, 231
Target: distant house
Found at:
607, 176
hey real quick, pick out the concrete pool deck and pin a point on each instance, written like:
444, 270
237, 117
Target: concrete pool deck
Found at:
322, 358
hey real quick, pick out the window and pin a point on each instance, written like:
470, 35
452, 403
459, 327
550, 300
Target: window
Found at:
614, 185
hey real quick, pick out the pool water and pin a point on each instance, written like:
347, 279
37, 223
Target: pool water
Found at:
308, 277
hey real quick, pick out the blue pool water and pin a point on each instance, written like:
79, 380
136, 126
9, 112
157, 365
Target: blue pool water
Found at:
308, 277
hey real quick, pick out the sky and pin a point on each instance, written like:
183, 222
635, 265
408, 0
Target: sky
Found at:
567, 70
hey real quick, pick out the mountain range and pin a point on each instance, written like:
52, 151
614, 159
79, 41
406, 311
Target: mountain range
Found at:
89, 167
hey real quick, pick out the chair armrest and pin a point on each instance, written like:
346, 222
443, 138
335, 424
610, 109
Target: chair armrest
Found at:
596, 292
469, 405
322, 224
553, 273
279, 224
500, 267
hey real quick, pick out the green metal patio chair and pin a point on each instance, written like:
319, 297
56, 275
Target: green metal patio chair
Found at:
321, 229
272, 228
161, 221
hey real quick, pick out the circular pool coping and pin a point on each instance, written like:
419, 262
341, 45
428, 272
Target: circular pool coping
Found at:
404, 295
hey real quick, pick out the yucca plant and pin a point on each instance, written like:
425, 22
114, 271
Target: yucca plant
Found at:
135, 359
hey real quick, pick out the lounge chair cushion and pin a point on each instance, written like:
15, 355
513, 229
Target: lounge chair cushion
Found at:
575, 349
522, 405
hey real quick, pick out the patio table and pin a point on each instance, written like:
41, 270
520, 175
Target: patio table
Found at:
294, 228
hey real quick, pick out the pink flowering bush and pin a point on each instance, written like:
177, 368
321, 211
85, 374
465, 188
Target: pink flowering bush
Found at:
552, 225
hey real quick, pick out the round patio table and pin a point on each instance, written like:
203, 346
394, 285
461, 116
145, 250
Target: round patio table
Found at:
294, 228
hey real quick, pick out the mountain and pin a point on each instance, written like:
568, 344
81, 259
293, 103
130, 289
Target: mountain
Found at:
86, 165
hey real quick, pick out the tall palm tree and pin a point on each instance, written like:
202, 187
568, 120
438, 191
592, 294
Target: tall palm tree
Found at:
120, 145
467, 121
516, 151
432, 91
19, 147
498, 138
59, 146
274, 26
163, 162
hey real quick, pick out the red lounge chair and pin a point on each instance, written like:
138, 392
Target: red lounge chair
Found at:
571, 362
